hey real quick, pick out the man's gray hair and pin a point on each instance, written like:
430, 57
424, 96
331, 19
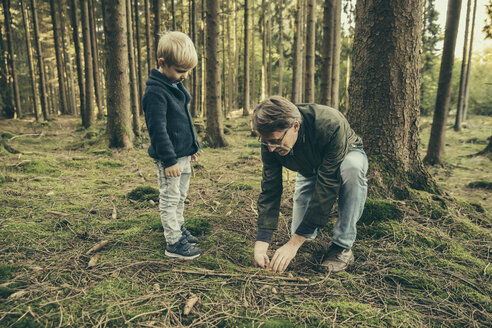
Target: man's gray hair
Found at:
275, 114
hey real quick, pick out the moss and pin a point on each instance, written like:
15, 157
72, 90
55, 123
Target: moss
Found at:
36, 166
144, 193
6, 272
378, 210
240, 186
198, 226
109, 164
481, 185
7, 135
5, 292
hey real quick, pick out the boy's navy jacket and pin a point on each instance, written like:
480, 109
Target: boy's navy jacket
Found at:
169, 123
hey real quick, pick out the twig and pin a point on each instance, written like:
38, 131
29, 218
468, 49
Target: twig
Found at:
223, 274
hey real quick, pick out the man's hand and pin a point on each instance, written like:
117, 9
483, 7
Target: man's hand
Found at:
173, 171
194, 158
260, 255
282, 257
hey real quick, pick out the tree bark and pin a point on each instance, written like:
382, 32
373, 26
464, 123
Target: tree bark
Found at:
68, 62
30, 59
148, 37
139, 56
253, 58
280, 47
95, 61
384, 90
297, 63
78, 55
468, 67
246, 59
435, 150
117, 79
88, 117
335, 75
263, 51
133, 76
310, 47
461, 92
327, 52
215, 130
43, 91
157, 26
5, 91
11, 57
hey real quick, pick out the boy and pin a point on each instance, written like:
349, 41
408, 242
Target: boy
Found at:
173, 139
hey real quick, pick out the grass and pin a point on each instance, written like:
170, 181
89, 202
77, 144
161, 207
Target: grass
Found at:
421, 262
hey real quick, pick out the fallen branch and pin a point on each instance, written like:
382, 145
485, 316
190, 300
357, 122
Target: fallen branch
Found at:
97, 247
241, 276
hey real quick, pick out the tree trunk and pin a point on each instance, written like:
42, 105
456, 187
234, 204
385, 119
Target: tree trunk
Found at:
235, 80
157, 26
173, 14
11, 57
461, 93
139, 56
78, 55
263, 52
30, 59
62, 92
5, 90
230, 60
436, 141
215, 130
310, 47
43, 91
204, 63
280, 48
335, 75
253, 58
297, 64
88, 117
148, 37
95, 61
327, 52
269, 45
194, 104
384, 90
468, 67
246, 59
133, 76
68, 62
117, 79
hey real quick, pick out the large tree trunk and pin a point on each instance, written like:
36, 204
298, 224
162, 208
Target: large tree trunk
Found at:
296, 50
78, 54
88, 116
194, 104
263, 52
246, 60
269, 46
280, 47
43, 91
335, 75
461, 92
11, 57
310, 48
139, 56
327, 52
468, 66
117, 79
95, 63
30, 60
5, 91
436, 141
133, 76
148, 38
62, 92
215, 130
253, 58
384, 90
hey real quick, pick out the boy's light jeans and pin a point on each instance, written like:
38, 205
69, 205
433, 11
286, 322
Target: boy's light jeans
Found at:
172, 194
351, 199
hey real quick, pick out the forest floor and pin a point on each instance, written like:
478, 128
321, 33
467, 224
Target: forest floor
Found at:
422, 262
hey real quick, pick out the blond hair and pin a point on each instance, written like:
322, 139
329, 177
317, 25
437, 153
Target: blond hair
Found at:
275, 114
177, 49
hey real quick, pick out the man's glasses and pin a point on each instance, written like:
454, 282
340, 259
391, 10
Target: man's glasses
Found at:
274, 143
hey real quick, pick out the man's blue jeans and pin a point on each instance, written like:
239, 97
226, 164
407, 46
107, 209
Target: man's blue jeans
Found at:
351, 198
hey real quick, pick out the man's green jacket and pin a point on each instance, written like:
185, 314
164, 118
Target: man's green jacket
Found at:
324, 138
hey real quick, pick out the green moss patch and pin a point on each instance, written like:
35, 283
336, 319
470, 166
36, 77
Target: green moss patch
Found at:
378, 210
481, 185
144, 193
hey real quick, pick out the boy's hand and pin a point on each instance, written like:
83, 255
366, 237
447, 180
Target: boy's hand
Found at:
194, 158
260, 255
173, 171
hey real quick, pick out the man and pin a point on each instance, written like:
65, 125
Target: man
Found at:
317, 142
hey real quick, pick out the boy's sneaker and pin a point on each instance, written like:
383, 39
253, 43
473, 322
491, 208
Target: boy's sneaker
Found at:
183, 250
191, 239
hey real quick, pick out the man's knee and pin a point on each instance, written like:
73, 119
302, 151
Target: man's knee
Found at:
353, 168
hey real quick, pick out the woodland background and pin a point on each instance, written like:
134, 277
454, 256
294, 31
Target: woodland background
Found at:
75, 173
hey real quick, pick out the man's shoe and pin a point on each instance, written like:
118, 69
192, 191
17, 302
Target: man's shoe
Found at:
183, 250
191, 239
337, 259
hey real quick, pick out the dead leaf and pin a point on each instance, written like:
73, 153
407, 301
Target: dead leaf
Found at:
114, 216
190, 303
93, 261
17, 294
97, 247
